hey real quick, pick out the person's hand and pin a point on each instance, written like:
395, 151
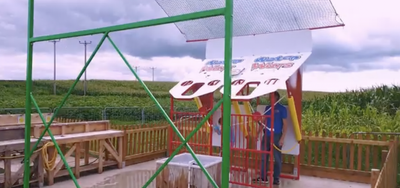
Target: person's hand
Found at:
281, 141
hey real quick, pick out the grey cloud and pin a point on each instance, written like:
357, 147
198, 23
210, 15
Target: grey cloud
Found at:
53, 17
341, 56
72, 15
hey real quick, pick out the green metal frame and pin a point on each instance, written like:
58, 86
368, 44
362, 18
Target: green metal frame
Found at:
227, 12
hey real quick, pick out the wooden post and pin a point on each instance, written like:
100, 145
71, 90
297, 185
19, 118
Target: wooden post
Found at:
374, 177
121, 152
7, 169
77, 159
384, 156
101, 153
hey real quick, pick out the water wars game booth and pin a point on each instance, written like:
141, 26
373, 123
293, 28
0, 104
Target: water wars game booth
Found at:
257, 70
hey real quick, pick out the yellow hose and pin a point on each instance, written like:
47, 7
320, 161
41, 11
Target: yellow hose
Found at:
49, 164
285, 151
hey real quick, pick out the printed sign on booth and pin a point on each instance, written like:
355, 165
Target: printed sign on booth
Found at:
218, 66
278, 62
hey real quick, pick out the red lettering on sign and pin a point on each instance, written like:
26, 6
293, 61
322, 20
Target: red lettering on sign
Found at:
238, 82
187, 83
271, 65
271, 81
212, 68
213, 83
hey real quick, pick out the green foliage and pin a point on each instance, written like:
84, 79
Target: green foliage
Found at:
125, 102
365, 110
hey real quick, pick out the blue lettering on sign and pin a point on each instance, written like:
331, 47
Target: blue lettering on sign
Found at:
221, 62
278, 58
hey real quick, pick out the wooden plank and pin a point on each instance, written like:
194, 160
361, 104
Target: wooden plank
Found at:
347, 141
101, 150
19, 119
121, 153
19, 174
108, 146
82, 137
16, 145
330, 151
7, 170
367, 154
374, 177
77, 169
72, 128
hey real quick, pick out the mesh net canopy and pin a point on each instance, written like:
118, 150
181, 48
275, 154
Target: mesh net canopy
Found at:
252, 17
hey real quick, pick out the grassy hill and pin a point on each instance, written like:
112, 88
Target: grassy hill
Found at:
373, 109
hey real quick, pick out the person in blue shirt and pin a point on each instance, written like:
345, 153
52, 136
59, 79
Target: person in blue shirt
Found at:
217, 129
279, 131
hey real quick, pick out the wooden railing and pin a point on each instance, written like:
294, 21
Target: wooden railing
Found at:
333, 156
339, 156
387, 176
140, 144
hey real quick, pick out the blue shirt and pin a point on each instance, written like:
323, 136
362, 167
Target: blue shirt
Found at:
279, 114
217, 128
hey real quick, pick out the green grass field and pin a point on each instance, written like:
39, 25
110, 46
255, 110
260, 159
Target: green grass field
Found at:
101, 93
374, 109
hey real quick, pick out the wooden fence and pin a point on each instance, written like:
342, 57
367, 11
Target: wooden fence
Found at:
326, 155
340, 157
387, 176
141, 144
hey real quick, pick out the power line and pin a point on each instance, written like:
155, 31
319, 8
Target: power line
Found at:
55, 65
85, 43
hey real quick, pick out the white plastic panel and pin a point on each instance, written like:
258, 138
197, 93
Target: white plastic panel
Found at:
271, 71
240, 139
211, 74
275, 43
269, 59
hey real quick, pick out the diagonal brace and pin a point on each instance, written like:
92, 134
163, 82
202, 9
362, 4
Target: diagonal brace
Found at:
169, 120
55, 143
47, 125
184, 143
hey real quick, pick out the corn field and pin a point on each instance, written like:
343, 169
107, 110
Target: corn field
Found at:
367, 110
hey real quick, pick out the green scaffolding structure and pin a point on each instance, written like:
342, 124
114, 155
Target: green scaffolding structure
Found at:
227, 12
259, 18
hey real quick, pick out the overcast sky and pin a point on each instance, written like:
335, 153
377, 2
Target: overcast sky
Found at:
366, 52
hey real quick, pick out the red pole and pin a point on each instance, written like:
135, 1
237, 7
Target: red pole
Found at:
171, 114
271, 155
211, 123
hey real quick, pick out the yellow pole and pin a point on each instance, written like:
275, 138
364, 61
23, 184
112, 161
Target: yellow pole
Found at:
199, 105
293, 115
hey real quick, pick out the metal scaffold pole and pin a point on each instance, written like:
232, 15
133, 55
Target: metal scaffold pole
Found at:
228, 11
28, 101
226, 136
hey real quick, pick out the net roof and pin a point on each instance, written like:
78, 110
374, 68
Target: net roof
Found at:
252, 17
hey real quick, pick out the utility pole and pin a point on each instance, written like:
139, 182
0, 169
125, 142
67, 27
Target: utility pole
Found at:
152, 68
136, 70
55, 65
85, 43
